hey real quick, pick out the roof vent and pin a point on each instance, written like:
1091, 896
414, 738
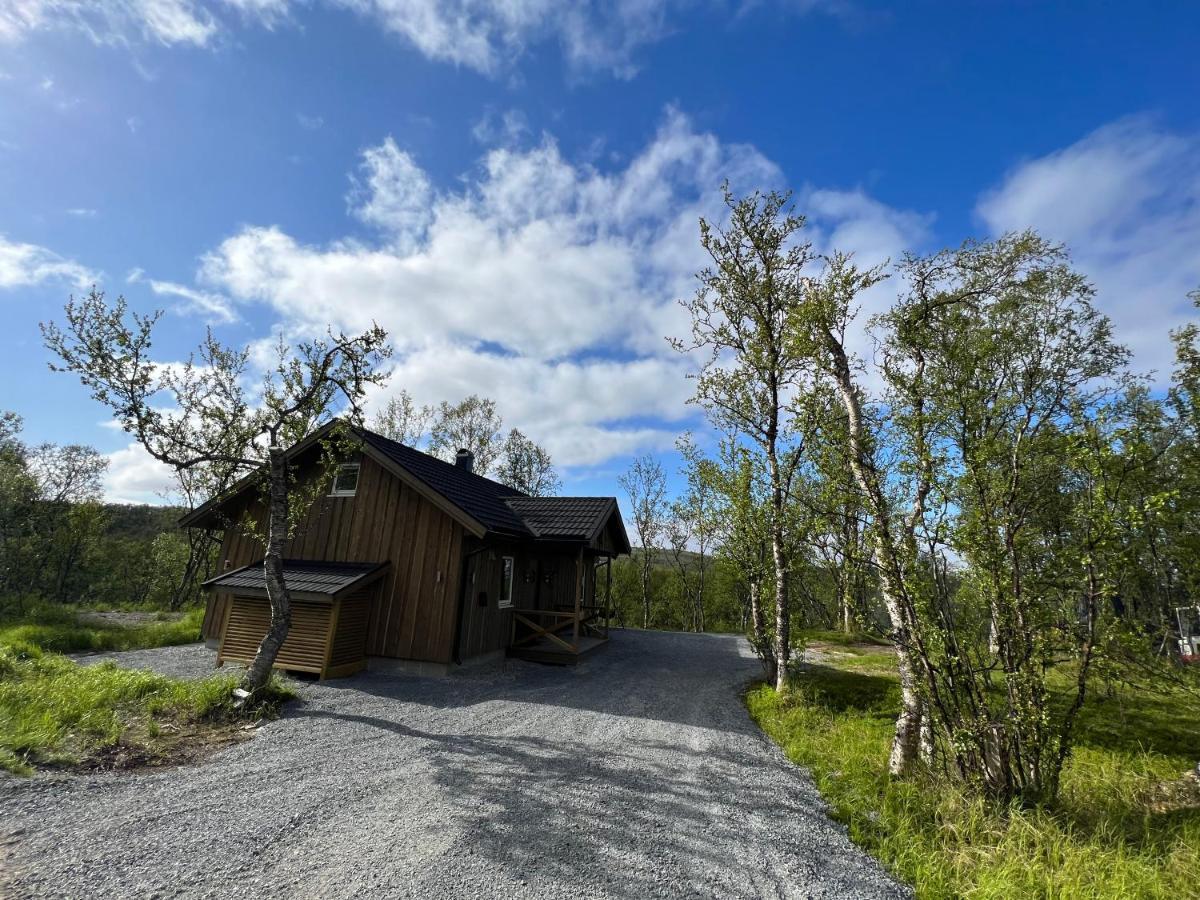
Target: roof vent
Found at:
465, 459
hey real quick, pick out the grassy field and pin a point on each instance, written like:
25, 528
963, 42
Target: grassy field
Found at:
1127, 824
62, 629
56, 712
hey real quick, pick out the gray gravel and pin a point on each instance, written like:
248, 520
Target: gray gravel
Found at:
639, 774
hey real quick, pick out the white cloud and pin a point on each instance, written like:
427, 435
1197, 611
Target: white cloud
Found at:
111, 21
485, 35
392, 192
23, 265
500, 128
215, 308
82, 212
1126, 201
544, 283
312, 123
265, 12
536, 255
134, 476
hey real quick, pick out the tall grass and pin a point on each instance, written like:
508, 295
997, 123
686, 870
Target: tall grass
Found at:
59, 629
54, 711
1127, 825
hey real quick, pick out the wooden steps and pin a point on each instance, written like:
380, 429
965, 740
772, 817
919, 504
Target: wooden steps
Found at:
547, 651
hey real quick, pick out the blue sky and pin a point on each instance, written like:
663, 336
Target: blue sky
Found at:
512, 188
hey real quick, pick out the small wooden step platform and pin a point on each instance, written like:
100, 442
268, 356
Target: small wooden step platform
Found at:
548, 651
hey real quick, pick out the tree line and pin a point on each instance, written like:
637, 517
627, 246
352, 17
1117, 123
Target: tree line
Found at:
985, 481
471, 424
59, 542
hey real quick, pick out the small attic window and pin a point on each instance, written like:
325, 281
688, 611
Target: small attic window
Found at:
345, 482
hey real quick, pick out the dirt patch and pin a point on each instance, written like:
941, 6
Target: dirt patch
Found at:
176, 747
1175, 796
127, 619
854, 649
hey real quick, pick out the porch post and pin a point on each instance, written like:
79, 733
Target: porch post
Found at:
578, 594
607, 592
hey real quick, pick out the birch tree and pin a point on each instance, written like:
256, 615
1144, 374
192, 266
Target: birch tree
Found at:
646, 486
753, 373
204, 411
401, 420
471, 424
741, 488
692, 527
526, 466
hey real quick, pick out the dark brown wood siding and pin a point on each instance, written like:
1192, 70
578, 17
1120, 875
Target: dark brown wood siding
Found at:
413, 611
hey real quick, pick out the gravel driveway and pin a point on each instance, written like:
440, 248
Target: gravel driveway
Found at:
639, 774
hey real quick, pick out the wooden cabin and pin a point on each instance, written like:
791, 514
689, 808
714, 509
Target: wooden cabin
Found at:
413, 563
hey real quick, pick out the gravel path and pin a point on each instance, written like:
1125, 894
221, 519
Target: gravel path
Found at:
639, 774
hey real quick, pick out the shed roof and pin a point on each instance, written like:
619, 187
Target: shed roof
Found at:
329, 579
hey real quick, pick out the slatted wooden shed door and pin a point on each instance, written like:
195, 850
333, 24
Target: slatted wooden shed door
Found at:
330, 607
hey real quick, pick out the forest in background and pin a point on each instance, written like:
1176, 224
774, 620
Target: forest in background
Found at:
60, 543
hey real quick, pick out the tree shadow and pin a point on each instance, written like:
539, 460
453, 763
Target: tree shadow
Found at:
658, 676
838, 690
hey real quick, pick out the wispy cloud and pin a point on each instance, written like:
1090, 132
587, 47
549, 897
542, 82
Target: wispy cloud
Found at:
1126, 201
215, 308
112, 21
24, 265
485, 35
82, 212
501, 128
312, 123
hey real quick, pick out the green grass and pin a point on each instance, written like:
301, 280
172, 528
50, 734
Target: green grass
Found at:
56, 712
850, 641
1125, 826
59, 629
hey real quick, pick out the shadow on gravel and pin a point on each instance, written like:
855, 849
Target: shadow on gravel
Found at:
629, 679
549, 809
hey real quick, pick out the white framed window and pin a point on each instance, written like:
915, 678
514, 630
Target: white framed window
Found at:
506, 581
345, 481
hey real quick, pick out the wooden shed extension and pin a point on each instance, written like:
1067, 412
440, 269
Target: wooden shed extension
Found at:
330, 607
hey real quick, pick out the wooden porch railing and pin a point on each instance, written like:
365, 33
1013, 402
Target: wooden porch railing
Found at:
560, 620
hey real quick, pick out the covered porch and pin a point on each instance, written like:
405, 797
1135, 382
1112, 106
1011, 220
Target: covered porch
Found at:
564, 633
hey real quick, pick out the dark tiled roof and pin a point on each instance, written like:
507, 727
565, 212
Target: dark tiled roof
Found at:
481, 498
563, 518
300, 576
